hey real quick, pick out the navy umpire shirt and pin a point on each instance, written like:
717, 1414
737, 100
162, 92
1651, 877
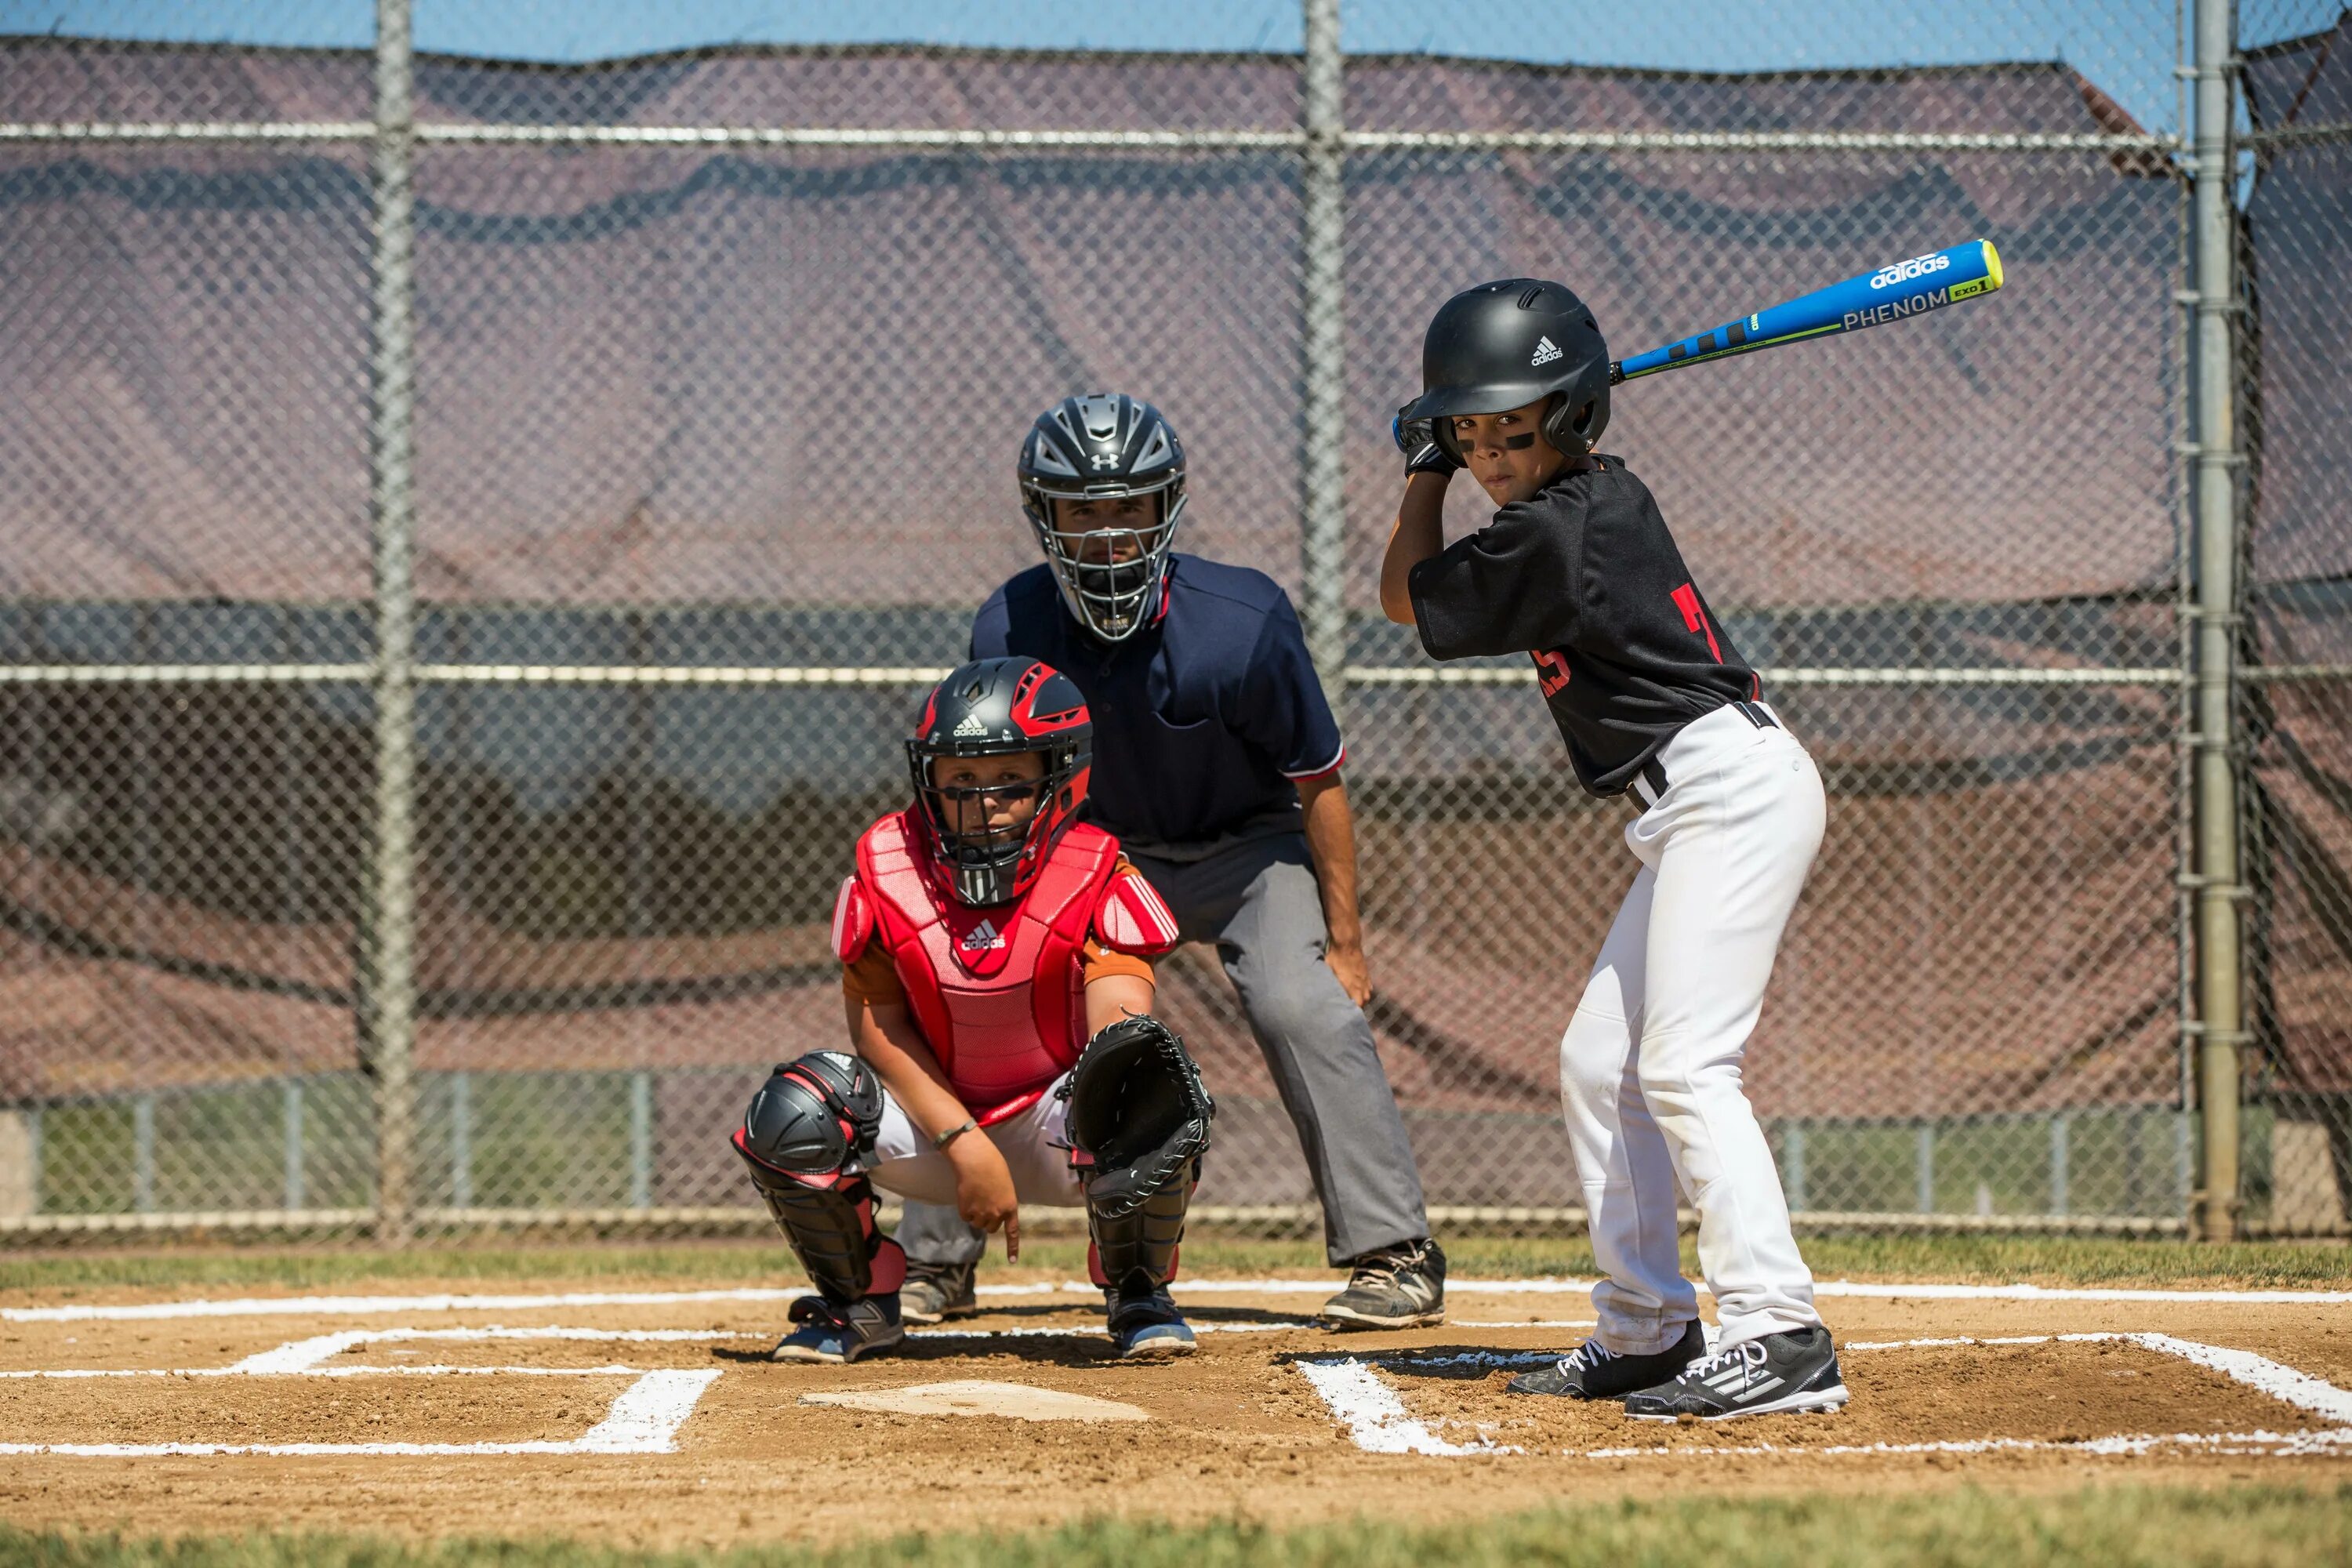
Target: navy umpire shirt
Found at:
1202, 720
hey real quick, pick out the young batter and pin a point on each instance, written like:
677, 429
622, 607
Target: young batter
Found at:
1578, 569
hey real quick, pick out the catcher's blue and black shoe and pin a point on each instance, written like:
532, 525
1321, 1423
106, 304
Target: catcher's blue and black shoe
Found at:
838, 1333
1147, 1326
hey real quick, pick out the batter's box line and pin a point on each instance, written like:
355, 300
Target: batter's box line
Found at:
1378, 1423
644, 1419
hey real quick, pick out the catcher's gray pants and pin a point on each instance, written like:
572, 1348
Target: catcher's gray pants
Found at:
1259, 903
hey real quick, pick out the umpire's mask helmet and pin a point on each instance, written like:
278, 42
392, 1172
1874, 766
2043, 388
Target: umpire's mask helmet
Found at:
987, 840
1504, 345
1105, 446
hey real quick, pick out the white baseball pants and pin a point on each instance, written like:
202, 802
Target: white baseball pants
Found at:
1649, 1067
1035, 1145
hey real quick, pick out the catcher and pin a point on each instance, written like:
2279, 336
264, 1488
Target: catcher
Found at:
998, 987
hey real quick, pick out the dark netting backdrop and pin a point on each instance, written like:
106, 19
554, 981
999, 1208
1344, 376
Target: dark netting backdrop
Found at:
713, 461
2296, 403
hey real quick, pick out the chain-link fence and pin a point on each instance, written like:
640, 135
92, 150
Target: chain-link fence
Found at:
466, 569
2296, 639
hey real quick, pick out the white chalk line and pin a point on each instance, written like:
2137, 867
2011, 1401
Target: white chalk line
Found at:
1378, 1423
420, 1369
361, 1306
303, 1355
1376, 1418
365, 1306
644, 1419
2250, 1445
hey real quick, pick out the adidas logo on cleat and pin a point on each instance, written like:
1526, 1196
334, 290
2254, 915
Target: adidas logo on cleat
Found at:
1547, 351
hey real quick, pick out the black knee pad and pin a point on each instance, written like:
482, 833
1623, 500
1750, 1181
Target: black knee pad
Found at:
806, 1126
812, 1116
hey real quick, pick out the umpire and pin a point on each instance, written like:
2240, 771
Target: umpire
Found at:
1216, 762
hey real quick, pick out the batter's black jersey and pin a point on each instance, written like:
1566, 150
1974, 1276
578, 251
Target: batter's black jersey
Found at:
1584, 576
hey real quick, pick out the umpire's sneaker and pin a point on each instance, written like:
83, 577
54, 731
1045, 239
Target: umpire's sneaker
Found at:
1400, 1287
838, 1331
1594, 1371
936, 1290
1795, 1370
1147, 1326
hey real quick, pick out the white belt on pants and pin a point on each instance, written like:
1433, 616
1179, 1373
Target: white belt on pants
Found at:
1701, 734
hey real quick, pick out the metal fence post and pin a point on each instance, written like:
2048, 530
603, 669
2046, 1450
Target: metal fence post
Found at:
289, 1108
1323, 505
641, 1138
388, 1013
2061, 1163
461, 1140
2220, 1003
143, 1153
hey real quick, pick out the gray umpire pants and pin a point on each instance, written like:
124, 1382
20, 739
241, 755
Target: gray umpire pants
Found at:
1259, 903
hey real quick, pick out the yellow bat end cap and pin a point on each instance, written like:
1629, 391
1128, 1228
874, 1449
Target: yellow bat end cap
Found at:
1992, 264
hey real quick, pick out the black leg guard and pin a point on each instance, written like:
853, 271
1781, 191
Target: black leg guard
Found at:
1139, 1123
1135, 1253
809, 1122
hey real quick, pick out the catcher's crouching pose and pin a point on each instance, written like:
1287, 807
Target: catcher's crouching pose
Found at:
984, 937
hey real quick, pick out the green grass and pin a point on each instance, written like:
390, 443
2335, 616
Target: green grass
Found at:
1983, 1259
1959, 1530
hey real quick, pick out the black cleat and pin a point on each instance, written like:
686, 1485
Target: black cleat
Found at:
1794, 1370
1594, 1371
937, 1290
1400, 1287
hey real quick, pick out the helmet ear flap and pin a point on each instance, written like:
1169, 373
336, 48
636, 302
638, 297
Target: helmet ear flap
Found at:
1574, 428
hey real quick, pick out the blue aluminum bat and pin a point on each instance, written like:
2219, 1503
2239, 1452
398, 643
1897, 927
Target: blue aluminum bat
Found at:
1927, 282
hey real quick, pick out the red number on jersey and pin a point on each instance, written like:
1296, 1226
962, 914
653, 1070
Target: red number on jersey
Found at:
1551, 671
1694, 617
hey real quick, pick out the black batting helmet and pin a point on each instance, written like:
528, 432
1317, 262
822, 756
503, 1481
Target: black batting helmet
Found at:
1504, 345
1105, 446
998, 708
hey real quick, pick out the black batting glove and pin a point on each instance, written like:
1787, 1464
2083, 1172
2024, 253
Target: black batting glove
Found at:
1417, 439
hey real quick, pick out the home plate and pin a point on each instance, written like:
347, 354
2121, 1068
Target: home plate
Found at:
972, 1397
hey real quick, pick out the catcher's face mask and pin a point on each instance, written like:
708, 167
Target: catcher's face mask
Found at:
984, 801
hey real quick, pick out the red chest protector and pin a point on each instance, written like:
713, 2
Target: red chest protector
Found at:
999, 994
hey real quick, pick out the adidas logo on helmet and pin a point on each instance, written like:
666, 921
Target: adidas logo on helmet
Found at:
1547, 351
970, 727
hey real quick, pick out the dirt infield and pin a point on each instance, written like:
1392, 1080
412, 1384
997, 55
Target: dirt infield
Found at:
651, 1415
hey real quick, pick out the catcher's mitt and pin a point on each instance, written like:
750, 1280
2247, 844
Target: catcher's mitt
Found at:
1138, 1111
